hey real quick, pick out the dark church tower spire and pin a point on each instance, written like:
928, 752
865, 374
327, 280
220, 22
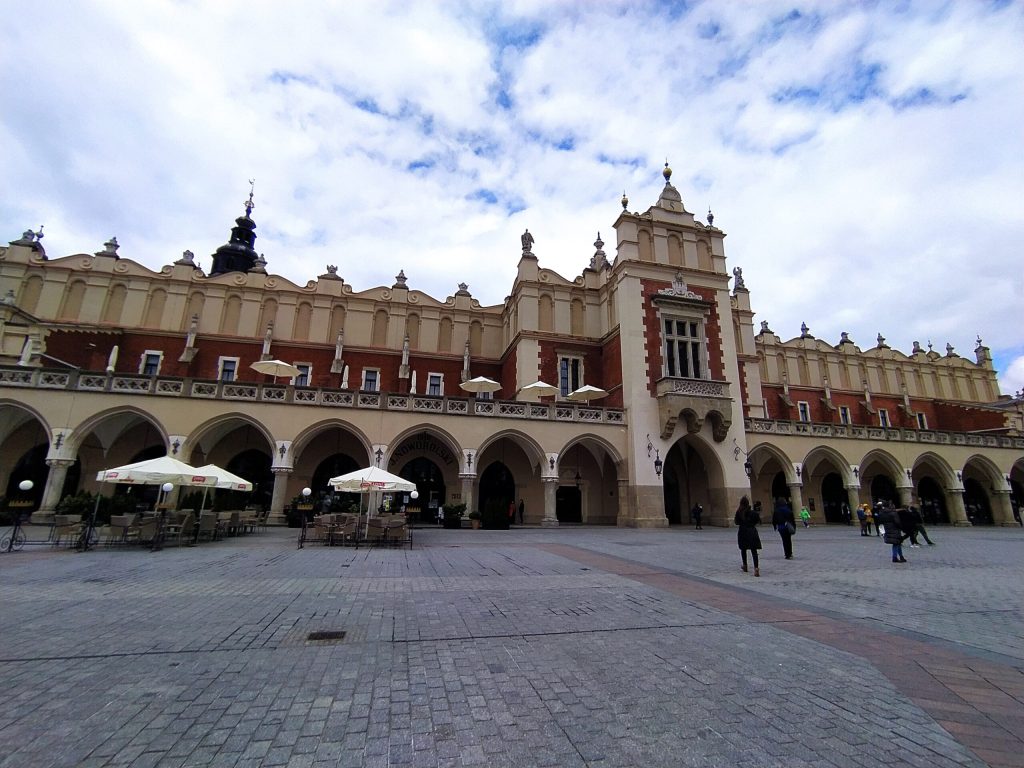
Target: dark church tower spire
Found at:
238, 255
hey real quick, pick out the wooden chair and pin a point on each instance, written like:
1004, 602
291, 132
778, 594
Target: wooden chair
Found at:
180, 530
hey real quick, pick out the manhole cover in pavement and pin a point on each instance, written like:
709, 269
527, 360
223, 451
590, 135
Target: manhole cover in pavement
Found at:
327, 634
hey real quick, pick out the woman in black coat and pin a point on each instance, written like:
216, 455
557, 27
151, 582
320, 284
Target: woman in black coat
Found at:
889, 519
746, 537
785, 523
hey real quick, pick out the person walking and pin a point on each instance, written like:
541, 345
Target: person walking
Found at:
783, 522
805, 517
918, 522
522, 511
888, 519
511, 513
696, 513
746, 537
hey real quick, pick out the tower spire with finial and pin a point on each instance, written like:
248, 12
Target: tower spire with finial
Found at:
249, 204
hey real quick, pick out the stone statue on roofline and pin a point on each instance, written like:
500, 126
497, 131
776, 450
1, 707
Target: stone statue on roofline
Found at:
527, 240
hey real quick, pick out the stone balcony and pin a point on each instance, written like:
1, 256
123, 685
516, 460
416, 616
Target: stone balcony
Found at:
694, 400
854, 432
158, 386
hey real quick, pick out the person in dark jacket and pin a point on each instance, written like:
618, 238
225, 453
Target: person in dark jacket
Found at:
696, 513
918, 522
887, 517
785, 523
746, 537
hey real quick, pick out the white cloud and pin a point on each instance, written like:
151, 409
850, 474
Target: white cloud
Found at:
377, 135
1012, 379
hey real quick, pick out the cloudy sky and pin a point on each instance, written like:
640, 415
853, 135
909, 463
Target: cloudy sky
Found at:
865, 159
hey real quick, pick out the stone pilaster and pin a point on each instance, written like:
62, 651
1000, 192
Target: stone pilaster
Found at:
277, 500
550, 487
955, 506
51, 493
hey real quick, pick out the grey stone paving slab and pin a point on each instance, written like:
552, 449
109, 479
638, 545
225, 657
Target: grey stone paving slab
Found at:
478, 648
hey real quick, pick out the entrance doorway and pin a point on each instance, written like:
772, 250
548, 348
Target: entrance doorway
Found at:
833, 497
568, 504
979, 512
933, 502
685, 482
497, 491
430, 486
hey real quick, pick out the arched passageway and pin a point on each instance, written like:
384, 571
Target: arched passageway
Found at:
430, 486
497, 492
932, 500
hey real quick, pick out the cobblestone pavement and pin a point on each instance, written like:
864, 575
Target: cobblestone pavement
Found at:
532, 647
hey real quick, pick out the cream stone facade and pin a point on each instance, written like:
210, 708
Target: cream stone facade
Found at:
103, 361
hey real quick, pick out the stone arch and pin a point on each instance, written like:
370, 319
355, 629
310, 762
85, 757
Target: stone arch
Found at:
196, 300
884, 458
110, 424
379, 332
988, 468
546, 312
303, 320
762, 453
114, 303
530, 447
675, 250
645, 245
155, 308
589, 476
704, 260
693, 474
71, 304
14, 414
446, 438
30, 292
230, 316
823, 452
302, 440
207, 435
268, 315
945, 470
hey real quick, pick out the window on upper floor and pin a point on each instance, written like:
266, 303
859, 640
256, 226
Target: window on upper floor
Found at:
805, 410
570, 374
883, 418
922, 421
684, 347
227, 368
844, 414
371, 379
435, 384
149, 365
305, 374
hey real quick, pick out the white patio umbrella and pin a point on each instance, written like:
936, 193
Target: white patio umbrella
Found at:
480, 384
370, 480
587, 393
540, 388
225, 479
275, 368
156, 472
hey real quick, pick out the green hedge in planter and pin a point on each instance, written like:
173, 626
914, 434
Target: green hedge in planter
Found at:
453, 515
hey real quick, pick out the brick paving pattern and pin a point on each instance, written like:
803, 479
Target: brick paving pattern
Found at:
531, 647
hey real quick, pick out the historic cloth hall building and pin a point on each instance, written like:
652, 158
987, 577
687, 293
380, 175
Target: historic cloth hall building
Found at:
104, 362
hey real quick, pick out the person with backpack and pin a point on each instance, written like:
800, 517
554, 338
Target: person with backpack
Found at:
746, 537
785, 524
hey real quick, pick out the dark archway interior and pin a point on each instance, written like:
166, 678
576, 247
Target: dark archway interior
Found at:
684, 482
31, 466
429, 484
833, 496
883, 488
780, 489
933, 501
253, 465
323, 494
497, 491
979, 511
569, 504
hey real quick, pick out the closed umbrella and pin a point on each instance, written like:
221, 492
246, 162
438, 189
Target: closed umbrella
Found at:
587, 393
275, 368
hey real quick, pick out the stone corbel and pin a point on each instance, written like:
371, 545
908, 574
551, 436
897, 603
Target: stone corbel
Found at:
827, 399
190, 341
784, 395
338, 365
866, 402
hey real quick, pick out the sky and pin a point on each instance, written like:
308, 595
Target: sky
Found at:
866, 159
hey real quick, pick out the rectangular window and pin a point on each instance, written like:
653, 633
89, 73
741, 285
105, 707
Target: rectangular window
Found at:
684, 341
844, 414
922, 421
570, 374
227, 367
371, 379
435, 384
150, 364
805, 410
305, 374
883, 418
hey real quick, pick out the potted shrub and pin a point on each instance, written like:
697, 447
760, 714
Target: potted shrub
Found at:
495, 515
453, 515
474, 519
